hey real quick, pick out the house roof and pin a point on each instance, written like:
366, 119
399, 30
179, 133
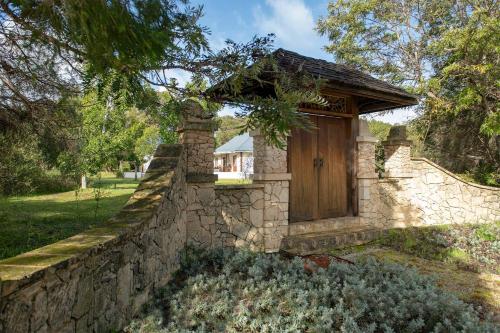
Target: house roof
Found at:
374, 94
240, 143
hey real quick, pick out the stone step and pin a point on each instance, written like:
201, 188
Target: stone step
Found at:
312, 243
338, 224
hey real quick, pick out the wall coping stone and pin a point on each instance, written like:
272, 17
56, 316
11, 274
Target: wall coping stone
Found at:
238, 187
271, 176
451, 174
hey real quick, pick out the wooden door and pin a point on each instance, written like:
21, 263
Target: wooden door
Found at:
332, 170
317, 161
302, 151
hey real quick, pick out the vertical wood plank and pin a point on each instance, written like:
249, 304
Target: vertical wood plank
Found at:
354, 156
302, 151
332, 185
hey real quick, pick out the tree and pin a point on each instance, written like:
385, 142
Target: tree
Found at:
464, 96
445, 51
227, 128
387, 38
143, 41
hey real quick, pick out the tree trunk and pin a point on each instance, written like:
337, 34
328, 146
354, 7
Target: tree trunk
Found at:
84, 182
135, 175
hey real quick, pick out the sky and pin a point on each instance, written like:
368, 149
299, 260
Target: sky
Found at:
292, 21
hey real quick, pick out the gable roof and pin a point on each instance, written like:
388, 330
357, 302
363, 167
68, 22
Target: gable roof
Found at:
240, 143
374, 94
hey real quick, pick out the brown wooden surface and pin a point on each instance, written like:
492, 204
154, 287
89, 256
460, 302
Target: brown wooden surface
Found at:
326, 113
320, 191
332, 183
353, 158
302, 151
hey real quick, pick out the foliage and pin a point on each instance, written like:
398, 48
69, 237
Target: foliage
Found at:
464, 95
472, 247
447, 52
235, 291
387, 38
227, 128
380, 130
24, 169
29, 222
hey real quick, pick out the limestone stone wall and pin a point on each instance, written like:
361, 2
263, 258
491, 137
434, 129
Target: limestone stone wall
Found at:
197, 137
417, 192
97, 280
271, 171
240, 215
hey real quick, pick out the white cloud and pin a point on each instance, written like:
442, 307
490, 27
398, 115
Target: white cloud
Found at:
292, 22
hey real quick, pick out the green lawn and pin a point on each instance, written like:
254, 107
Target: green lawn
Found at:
29, 222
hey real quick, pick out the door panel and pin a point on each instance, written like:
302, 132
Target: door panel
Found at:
332, 152
302, 151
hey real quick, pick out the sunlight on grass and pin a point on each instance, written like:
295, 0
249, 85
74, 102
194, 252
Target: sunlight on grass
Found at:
29, 222
233, 181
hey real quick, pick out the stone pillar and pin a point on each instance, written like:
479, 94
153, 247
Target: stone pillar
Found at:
366, 174
397, 154
197, 137
270, 169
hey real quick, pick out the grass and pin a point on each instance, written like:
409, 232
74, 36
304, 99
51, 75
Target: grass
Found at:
29, 222
233, 181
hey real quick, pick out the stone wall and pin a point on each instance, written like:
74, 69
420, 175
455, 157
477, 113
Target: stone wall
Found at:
417, 192
196, 135
270, 170
435, 196
240, 215
97, 280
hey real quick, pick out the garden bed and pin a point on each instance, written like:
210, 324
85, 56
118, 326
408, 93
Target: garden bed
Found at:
238, 291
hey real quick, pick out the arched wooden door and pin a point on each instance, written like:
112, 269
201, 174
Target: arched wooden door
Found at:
317, 160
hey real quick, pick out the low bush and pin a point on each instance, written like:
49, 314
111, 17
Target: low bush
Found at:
237, 291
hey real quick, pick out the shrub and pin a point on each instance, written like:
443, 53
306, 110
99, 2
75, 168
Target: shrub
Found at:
237, 291
53, 182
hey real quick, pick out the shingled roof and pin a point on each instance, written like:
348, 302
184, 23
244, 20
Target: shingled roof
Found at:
337, 73
374, 94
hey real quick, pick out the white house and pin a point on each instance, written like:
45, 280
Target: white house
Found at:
234, 159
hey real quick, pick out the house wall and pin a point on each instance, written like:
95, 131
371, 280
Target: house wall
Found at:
244, 162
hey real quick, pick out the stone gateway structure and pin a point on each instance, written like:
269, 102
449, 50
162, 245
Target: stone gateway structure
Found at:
319, 191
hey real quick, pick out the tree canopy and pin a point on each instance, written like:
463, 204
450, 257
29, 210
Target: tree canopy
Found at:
445, 51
